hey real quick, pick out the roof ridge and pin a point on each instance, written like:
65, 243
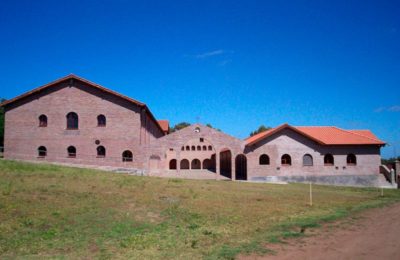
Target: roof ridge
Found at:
319, 126
95, 85
349, 131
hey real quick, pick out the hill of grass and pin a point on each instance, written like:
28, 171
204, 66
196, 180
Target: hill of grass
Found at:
49, 211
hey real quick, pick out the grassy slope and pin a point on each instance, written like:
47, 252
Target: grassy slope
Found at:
52, 211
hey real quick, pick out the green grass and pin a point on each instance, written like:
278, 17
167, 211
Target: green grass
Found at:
49, 211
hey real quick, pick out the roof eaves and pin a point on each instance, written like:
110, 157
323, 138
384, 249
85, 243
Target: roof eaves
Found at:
75, 77
364, 136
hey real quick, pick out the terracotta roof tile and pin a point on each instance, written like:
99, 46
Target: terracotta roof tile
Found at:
325, 135
164, 125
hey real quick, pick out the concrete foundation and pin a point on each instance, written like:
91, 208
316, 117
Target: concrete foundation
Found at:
345, 180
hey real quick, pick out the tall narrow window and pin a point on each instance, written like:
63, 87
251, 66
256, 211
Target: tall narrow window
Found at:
72, 120
264, 159
42, 151
328, 159
351, 159
42, 121
286, 160
71, 151
307, 160
127, 156
101, 151
101, 120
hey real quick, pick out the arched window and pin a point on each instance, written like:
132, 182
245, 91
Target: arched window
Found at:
286, 160
42, 151
42, 121
71, 151
72, 120
101, 151
184, 164
101, 120
196, 164
264, 159
204, 148
127, 156
187, 147
351, 159
193, 148
328, 159
308, 160
172, 164
198, 148
210, 148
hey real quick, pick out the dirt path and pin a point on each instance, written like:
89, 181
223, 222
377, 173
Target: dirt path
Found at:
374, 234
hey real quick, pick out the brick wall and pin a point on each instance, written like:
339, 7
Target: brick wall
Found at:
170, 146
290, 142
123, 131
131, 127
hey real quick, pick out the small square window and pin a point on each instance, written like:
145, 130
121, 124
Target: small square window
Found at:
201, 140
171, 149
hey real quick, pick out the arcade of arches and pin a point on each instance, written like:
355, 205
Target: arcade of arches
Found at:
226, 164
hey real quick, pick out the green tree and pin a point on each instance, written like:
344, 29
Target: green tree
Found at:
2, 123
260, 129
179, 126
390, 160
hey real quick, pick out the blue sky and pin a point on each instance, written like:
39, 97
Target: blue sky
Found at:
234, 64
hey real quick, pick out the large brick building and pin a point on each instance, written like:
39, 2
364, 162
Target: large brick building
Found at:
72, 120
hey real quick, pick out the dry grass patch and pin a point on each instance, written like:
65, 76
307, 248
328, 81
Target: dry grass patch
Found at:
52, 211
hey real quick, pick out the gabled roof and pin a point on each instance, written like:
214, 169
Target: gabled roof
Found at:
324, 135
94, 85
164, 125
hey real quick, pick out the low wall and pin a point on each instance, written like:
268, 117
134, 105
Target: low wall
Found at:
343, 180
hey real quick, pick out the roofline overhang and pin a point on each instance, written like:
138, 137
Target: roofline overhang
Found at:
287, 126
97, 86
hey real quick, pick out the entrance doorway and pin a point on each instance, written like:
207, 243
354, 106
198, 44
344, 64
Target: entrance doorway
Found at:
241, 167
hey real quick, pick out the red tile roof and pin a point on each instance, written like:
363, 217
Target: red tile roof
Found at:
94, 85
164, 125
325, 135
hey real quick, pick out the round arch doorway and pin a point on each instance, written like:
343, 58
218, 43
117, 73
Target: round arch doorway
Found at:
241, 167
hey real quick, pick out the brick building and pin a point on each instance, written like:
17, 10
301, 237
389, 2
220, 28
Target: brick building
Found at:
72, 120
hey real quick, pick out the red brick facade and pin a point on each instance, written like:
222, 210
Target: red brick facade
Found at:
128, 126
196, 151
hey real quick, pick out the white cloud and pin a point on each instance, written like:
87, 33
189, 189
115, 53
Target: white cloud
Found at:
395, 108
210, 54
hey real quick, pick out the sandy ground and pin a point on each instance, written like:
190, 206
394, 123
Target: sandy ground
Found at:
373, 234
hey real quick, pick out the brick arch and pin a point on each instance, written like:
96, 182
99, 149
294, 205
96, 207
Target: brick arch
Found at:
241, 167
172, 164
194, 144
184, 163
195, 164
225, 162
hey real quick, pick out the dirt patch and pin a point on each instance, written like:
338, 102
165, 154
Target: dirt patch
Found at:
373, 234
